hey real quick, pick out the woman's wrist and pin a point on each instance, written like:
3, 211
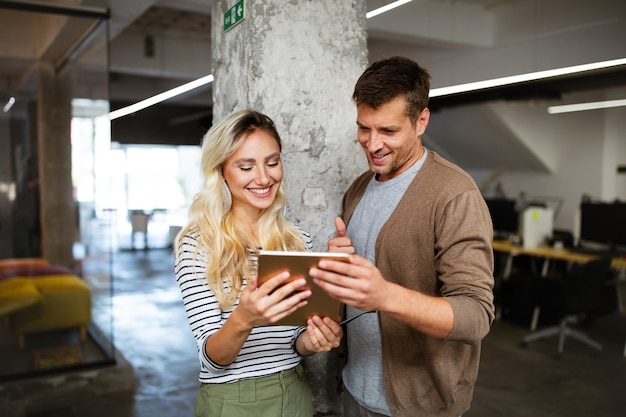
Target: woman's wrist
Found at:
298, 344
238, 323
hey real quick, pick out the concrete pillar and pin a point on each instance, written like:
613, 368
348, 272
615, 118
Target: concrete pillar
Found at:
297, 61
58, 216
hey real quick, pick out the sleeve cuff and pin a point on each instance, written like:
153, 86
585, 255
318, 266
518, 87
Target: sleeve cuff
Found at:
296, 333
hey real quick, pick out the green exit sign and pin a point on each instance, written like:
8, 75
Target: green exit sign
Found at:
234, 15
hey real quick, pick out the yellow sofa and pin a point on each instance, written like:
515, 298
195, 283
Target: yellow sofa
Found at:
16, 294
36, 297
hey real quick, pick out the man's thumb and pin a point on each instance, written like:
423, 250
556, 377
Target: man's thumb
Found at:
340, 226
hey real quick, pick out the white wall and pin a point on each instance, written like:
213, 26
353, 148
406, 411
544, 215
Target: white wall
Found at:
582, 149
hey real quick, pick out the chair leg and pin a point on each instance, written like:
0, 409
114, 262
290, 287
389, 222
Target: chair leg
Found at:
563, 331
562, 334
542, 334
582, 337
535, 318
83, 333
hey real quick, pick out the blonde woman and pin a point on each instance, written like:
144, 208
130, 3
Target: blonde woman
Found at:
248, 367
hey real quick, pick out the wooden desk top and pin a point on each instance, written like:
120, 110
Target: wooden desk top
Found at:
552, 253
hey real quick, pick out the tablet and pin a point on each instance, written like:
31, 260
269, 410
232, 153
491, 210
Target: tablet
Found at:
298, 264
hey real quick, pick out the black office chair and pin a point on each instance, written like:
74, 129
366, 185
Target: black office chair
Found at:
578, 293
517, 296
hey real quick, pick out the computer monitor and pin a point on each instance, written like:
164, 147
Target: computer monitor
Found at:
603, 223
504, 216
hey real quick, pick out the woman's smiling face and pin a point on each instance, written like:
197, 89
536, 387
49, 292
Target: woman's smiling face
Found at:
254, 173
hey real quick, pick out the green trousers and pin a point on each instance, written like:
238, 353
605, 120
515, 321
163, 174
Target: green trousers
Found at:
284, 394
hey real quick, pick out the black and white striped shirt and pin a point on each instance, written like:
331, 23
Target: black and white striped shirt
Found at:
268, 349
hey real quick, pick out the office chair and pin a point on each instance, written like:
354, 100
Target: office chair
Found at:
517, 296
580, 293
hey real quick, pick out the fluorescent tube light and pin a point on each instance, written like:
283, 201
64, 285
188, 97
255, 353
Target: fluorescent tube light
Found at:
435, 92
151, 101
10, 102
386, 8
593, 105
532, 76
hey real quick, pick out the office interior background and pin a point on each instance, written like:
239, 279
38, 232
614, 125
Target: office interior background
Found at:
82, 187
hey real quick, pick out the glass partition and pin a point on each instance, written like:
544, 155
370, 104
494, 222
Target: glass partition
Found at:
56, 241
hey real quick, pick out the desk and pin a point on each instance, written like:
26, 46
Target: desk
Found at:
549, 253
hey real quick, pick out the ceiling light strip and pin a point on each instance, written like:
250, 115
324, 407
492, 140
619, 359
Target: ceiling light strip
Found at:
435, 92
593, 105
532, 76
10, 102
151, 101
386, 8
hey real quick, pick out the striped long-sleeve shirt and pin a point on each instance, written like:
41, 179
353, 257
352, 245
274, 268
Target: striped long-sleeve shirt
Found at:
268, 349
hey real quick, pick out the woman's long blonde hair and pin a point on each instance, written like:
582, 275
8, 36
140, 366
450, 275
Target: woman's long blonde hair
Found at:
225, 246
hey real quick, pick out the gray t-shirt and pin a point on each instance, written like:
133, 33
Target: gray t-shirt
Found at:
363, 374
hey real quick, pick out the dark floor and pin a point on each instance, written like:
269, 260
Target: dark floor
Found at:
156, 371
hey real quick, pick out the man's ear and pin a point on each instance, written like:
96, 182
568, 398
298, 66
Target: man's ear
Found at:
422, 121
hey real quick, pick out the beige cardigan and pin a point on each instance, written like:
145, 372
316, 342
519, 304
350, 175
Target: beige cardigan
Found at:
437, 241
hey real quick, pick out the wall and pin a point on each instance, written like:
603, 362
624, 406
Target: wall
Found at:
582, 149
